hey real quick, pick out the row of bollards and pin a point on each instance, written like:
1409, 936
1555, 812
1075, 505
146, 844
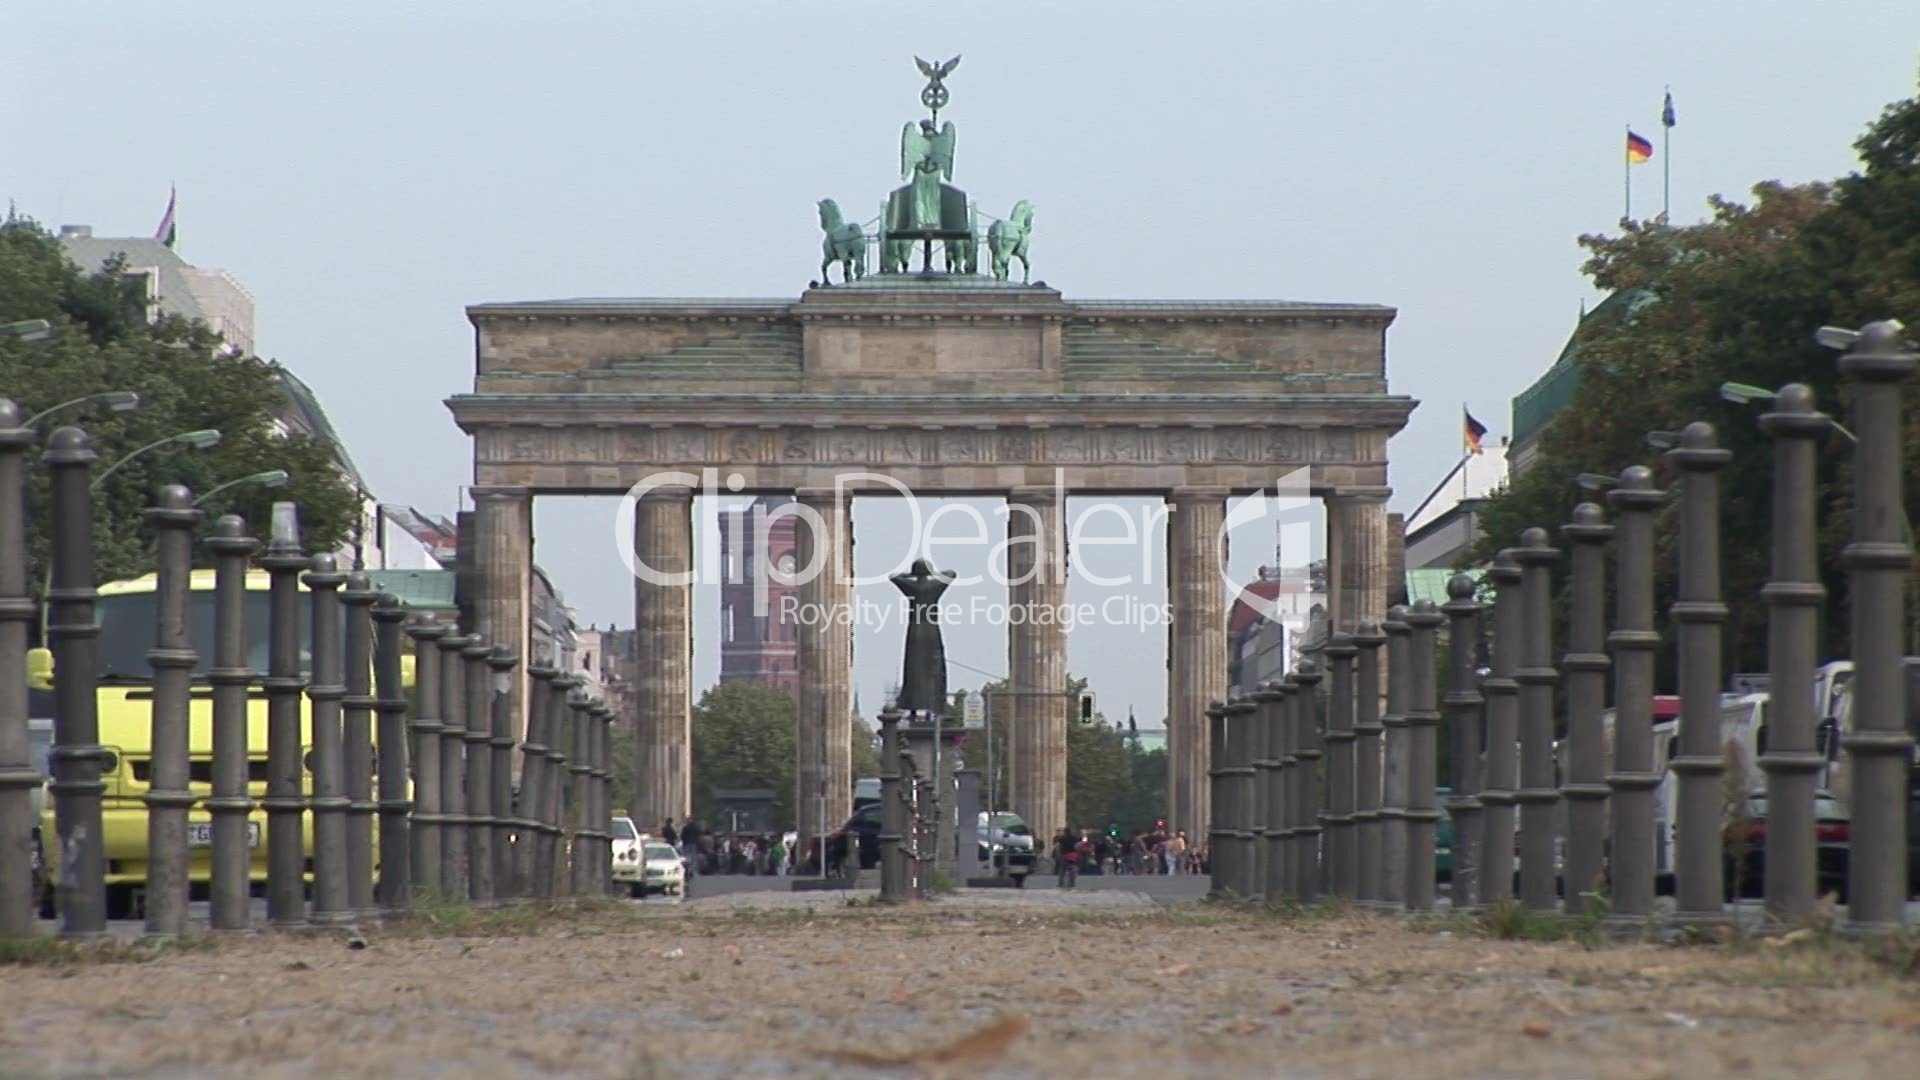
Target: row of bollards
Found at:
909, 822
1572, 825
369, 801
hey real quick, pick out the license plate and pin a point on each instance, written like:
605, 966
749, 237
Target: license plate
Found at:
200, 834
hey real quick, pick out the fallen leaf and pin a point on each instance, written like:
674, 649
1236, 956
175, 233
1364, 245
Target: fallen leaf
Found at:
978, 1046
1067, 995
299, 965
1283, 1009
1177, 969
1245, 1027
900, 995
1790, 937
1534, 1029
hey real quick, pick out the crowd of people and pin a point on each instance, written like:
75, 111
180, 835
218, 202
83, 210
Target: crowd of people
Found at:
1158, 851
728, 853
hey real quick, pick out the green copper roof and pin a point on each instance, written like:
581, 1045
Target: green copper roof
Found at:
1553, 391
1431, 583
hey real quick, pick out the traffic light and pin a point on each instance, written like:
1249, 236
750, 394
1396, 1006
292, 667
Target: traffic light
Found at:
1086, 706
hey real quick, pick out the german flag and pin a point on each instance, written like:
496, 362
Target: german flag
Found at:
1474, 431
1639, 150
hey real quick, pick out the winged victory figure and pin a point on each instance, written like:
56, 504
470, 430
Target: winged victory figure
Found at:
926, 158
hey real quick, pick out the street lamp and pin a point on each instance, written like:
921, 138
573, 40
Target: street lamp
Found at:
1747, 394
1663, 440
272, 478
1587, 481
28, 330
203, 439
114, 400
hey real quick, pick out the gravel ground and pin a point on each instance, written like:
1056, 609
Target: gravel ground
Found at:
1002, 985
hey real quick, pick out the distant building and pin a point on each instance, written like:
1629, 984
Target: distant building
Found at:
171, 285
756, 645
1446, 525
1261, 640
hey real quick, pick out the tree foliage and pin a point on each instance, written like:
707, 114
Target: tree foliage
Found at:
1735, 298
743, 738
103, 342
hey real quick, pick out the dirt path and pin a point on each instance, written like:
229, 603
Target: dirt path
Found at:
1109, 993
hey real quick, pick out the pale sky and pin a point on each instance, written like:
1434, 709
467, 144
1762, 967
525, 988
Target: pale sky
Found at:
369, 169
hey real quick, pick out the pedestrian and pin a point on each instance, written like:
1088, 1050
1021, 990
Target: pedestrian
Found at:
778, 857
670, 834
1065, 858
1177, 853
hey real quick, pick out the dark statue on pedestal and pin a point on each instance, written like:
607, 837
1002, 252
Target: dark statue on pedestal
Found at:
923, 678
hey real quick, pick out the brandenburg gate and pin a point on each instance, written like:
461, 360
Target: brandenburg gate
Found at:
950, 382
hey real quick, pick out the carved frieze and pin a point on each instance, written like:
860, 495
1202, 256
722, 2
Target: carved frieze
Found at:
688, 446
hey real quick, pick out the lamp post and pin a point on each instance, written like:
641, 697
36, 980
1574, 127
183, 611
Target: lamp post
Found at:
1747, 394
272, 478
203, 439
114, 400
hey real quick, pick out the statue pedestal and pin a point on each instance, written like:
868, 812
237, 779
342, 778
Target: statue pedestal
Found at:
919, 740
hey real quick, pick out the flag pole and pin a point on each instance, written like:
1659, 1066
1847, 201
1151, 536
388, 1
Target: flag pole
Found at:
1666, 157
1626, 174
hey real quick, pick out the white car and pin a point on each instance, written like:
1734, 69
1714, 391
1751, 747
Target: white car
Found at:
663, 870
625, 850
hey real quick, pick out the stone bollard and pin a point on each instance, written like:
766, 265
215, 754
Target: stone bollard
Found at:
1697, 763
76, 758
287, 773
1502, 780
603, 792
331, 901
428, 822
1635, 774
581, 873
1465, 707
1281, 885
1368, 638
1266, 769
394, 893
531, 818
452, 875
1538, 794
502, 663
1878, 559
1423, 722
1306, 789
229, 804
1586, 663
1244, 717
1218, 770
173, 660
1341, 850
552, 862
356, 740
18, 776
1393, 806
893, 824
1793, 595
477, 699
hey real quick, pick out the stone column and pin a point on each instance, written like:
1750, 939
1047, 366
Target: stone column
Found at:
1306, 788
1368, 638
1537, 795
1342, 851
1793, 594
1502, 692
1393, 793
1464, 704
1423, 722
1037, 658
822, 714
503, 526
1879, 559
1698, 613
1197, 667
1357, 526
663, 610
1583, 766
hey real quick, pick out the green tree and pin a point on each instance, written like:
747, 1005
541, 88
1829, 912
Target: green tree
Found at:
104, 342
866, 749
1735, 298
743, 738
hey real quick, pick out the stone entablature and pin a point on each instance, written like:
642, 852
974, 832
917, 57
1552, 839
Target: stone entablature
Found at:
956, 385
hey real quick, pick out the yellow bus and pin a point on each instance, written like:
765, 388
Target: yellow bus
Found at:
126, 615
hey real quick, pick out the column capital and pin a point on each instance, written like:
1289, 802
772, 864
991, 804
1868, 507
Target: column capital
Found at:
1358, 493
1035, 493
495, 491
822, 495
667, 493
1197, 493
